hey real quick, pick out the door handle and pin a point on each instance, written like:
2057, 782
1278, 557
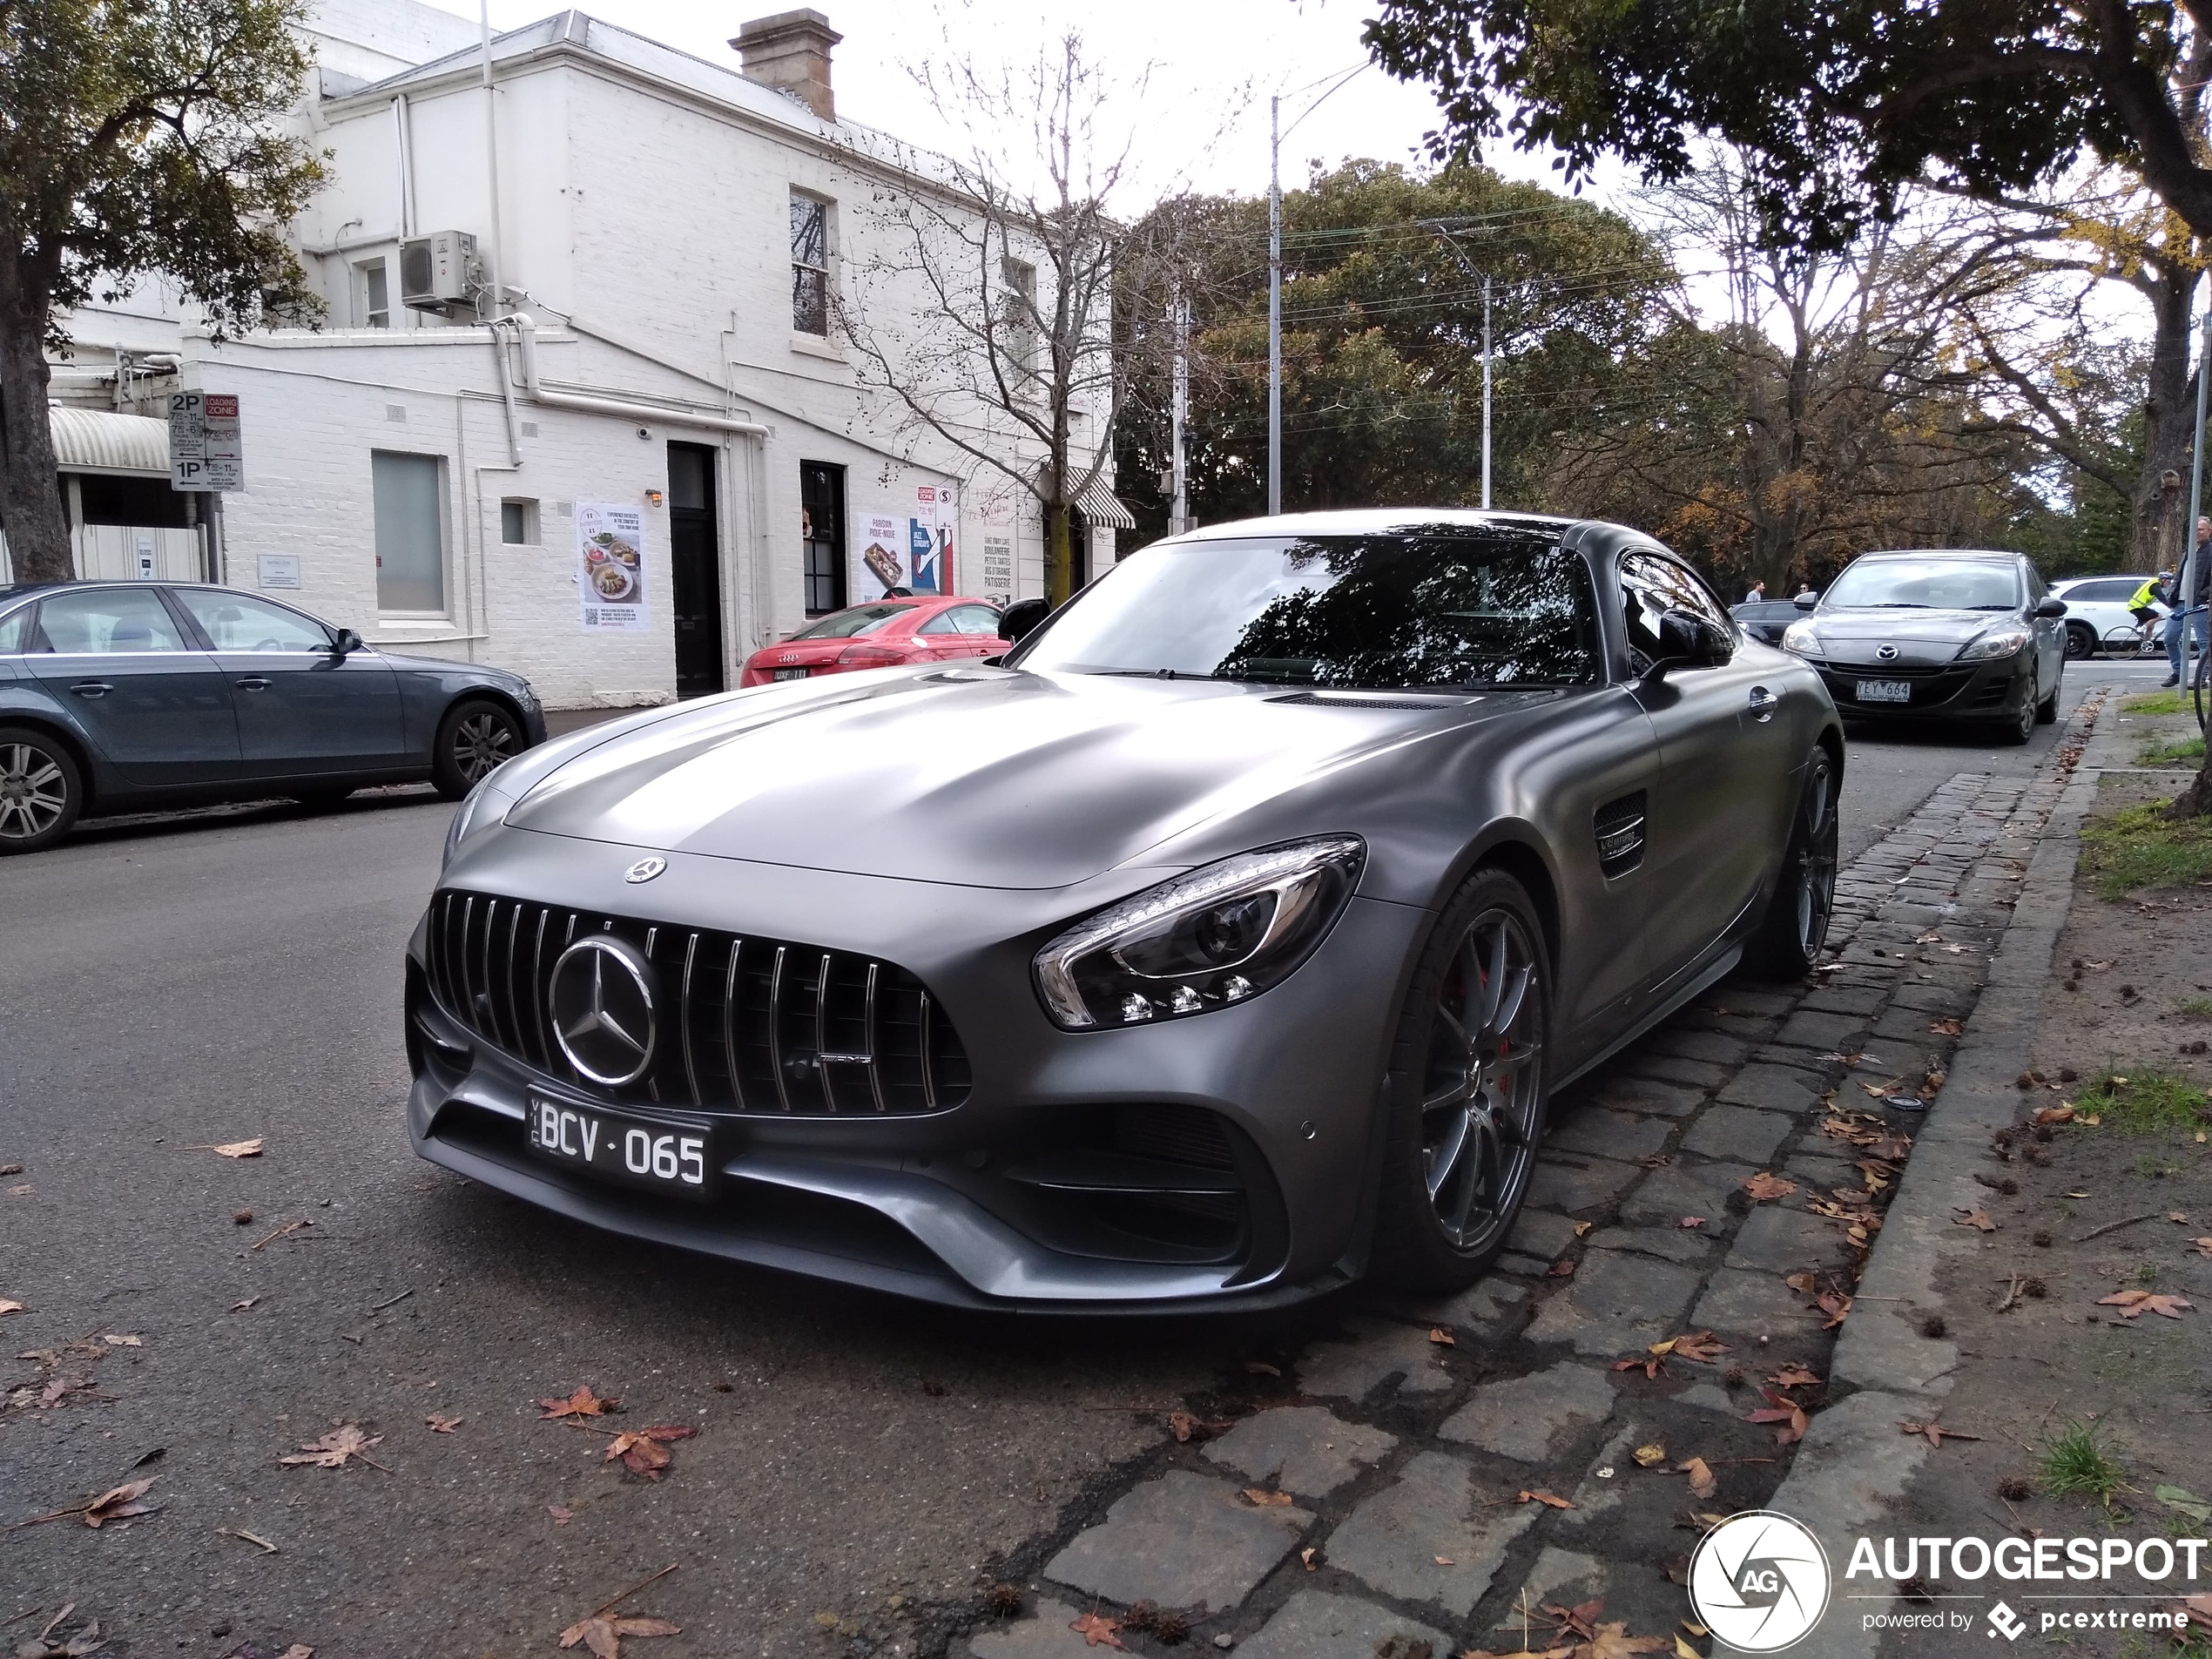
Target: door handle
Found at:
92, 688
252, 683
1764, 704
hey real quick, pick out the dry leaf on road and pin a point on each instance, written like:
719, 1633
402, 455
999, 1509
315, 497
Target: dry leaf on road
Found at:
1097, 1631
232, 1148
1790, 1374
1699, 1345
1307, 1558
440, 1424
1261, 1368
1765, 1185
1783, 1410
297, 1650
1947, 1028
1183, 1424
2203, 1246
240, 1307
1977, 1219
1551, 1499
1613, 1641
1266, 1500
2133, 1302
1692, 1221
646, 1451
6, 1306
603, 1636
583, 1403
561, 1513
1701, 1483
123, 1502
2054, 1115
332, 1450
1442, 1338
1648, 1455
1934, 1434
1654, 1366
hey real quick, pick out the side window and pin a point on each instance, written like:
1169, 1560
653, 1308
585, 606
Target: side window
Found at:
14, 630
109, 620
1651, 586
962, 619
236, 623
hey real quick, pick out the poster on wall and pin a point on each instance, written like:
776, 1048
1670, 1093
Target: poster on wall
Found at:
610, 567
930, 533
880, 565
998, 570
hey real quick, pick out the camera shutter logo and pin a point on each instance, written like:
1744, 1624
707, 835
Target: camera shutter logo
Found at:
1759, 1582
601, 1001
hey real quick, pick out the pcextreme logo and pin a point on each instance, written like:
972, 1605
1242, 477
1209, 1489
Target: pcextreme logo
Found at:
1759, 1582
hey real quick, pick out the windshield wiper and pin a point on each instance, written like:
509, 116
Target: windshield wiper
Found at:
1889, 605
1149, 673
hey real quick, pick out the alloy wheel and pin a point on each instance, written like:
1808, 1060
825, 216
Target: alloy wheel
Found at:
480, 742
1816, 861
34, 793
1481, 1094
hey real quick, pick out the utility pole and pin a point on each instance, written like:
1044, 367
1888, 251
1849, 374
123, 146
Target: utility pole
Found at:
1179, 509
1274, 305
2185, 578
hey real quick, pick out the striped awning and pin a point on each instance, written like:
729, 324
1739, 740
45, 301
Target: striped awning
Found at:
101, 441
1100, 506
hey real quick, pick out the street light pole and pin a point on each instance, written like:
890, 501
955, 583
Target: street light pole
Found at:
1274, 305
2185, 578
1179, 510
1486, 393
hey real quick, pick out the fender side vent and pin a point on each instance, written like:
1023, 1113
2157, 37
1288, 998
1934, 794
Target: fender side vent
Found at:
1619, 824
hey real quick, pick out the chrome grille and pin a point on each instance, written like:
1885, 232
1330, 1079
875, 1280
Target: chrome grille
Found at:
747, 1024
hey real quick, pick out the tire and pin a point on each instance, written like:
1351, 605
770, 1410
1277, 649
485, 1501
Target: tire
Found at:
1467, 1091
321, 800
41, 790
2046, 711
1795, 928
475, 735
2019, 728
2081, 641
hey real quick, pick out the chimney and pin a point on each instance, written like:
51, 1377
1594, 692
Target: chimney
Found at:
790, 52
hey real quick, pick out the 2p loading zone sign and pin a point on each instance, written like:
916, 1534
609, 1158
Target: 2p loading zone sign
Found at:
204, 451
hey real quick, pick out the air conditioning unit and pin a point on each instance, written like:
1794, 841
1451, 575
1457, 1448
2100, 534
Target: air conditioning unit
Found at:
438, 272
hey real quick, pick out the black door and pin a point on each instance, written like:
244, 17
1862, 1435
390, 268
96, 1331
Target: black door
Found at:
695, 570
821, 500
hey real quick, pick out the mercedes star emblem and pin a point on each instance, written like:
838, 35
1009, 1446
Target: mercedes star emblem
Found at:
601, 1000
1887, 653
644, 869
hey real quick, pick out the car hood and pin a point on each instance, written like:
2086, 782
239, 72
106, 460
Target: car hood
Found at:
1921, 638
973, 776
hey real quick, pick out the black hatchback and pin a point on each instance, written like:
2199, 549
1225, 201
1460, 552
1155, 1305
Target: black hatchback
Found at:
120, 696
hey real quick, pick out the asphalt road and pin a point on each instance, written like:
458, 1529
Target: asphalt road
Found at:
176, 983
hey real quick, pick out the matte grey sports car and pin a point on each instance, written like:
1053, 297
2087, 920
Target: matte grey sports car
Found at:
1219, 946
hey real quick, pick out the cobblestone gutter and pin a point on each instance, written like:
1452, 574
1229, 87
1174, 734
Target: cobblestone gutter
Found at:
1397, 1472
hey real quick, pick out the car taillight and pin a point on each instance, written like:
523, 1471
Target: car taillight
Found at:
870, 657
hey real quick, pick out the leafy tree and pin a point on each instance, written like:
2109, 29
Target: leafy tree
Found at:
135, 136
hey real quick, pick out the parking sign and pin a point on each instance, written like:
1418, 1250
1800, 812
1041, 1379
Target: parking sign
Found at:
206, 452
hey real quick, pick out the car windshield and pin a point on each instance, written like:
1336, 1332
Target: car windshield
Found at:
843, 624
1459, 607
1927, 585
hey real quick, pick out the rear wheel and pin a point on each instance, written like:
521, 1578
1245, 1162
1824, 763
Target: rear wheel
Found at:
2081, 640
1466, 1090
1795, 928
41, 791
475, 736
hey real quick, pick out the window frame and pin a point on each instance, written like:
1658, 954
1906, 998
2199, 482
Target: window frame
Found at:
810, 273
367, 274
526, 508
180, 626
1688, 582
444, 612
837, 578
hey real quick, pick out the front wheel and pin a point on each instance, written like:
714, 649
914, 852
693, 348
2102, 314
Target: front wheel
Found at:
41, 791
2020, 726
2046, 711
2081, 640
476, 735
1466, 1090
1795, 926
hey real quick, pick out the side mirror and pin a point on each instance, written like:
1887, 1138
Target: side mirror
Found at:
1021, 618
1806, 601
347, 643
1688, 640
2051, 608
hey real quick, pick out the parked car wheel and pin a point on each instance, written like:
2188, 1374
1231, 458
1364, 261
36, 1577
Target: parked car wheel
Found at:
2020, 726
321, 800
2046, 711
475, 736
2081, 640
41, 791
1466, 1090
1795, 928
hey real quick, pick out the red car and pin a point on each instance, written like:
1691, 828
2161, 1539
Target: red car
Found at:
881, 635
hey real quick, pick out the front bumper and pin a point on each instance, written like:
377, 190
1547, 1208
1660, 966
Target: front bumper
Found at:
1947, 692
1251, 1129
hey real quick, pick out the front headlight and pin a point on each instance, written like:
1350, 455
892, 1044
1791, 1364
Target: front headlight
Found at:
1798, 637
1202, 941
1999, 642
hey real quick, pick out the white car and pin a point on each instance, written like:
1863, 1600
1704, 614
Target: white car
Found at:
2097, 618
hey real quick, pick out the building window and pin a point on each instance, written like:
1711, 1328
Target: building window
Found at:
518, 522
821, 534
410, 533
1018, 313
376, 295
809, 266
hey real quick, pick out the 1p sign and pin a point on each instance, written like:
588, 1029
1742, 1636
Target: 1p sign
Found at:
205, 450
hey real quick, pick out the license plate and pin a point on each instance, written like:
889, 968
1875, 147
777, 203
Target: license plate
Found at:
1886, 690
633, 1150
790, 673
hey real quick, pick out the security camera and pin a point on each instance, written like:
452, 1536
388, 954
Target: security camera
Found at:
646, 433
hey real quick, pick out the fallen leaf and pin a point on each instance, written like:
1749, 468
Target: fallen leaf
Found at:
2133, 1302
1614, 1642
2184, 1501
1261, 1368
1780, 1409
2197, 1609
1764, 1186
1183, 1424
583, 1403
1265, 1500
2054, 1115
2203, 1246
10, 1307
1442, 1338
1550, 1499
1790, 1374
120, 1502
1562, 1269
1444, 1561
10, 1169
1701, 1346
332, 1450
1702, 1484
1097, 1631
1582, 1229
1933, 1433
1307, 1558
297, 1650
1977, 1219
123, 1342
440, 1424
604, 1635
1837, 1307
1692, 1221
644, 1451
1947, 1028
561, 1513
237, 1148
1654, 1366
1648, 1455
2179, 1218
1880, 1091
240, 1307
1683, 1650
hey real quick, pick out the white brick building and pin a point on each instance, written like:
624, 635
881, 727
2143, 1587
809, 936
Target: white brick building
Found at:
665, 227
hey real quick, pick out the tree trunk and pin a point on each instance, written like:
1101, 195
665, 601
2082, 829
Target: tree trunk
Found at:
1059, 552
30, 497
2156, 538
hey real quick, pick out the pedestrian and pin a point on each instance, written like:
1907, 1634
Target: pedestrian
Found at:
2188, 610
1804, 590
1757, 593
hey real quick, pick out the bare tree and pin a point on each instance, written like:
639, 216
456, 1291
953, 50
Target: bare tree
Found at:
985, 303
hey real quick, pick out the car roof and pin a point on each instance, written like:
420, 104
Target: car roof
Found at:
2108, 575
1963, 555
1376, 520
